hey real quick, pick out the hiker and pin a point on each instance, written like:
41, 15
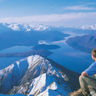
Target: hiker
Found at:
87, 79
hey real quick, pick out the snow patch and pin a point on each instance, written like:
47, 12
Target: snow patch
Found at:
40, 27
14, 27
42, 42
88, 27
38, 84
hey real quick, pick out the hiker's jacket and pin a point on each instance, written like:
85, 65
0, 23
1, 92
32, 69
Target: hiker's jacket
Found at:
91, 70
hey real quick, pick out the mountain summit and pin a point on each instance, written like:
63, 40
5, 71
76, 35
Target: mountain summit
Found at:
36, 76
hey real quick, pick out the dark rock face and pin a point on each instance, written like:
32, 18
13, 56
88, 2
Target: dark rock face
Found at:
85, 43
73, 76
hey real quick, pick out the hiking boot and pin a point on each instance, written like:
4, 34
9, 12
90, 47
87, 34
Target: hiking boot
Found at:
76, 93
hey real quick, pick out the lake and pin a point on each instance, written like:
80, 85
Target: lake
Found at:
6, 61
66, 56
71, 58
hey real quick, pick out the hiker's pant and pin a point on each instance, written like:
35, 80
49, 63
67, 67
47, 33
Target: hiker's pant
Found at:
86, 81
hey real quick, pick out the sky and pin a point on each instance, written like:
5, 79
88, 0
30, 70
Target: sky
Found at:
50, 12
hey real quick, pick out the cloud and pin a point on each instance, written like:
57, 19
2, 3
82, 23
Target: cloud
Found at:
78, 8
53, 18
36, 18
66, 19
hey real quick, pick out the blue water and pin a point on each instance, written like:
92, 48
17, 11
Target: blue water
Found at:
16, 49
70, 58
6, 61
66, 56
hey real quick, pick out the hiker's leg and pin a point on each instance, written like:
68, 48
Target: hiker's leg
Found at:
90, 81
83, 84
86, 81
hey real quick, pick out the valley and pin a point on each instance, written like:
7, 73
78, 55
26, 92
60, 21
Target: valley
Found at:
38, 55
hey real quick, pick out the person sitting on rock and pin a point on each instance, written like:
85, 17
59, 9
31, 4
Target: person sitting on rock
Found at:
86, 79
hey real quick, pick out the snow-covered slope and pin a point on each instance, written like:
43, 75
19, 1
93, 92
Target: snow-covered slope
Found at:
34, 75
39, 27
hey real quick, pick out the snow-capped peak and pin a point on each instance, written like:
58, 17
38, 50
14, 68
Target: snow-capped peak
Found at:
14, 27
40, 27
33, 75
89, 27
27, 27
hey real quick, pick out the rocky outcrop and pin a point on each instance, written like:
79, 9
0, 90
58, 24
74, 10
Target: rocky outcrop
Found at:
92, 92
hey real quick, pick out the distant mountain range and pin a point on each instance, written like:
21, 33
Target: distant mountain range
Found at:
30, 35
10, 37
85, 43
88, 27
27, 27
37, 76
